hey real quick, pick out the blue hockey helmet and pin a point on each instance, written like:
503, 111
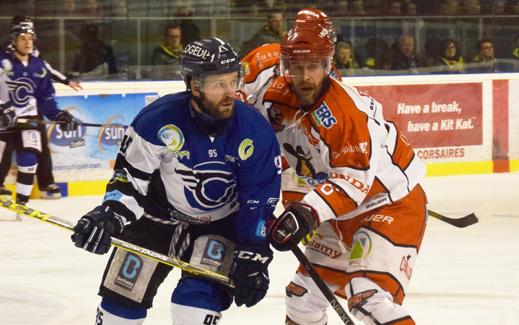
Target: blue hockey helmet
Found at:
210, 56
22, 28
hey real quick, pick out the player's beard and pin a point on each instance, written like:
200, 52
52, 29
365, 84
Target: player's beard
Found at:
223, 109
307, 92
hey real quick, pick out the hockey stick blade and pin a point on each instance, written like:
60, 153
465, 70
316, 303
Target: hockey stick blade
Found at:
138, 250
462, 222
321, 285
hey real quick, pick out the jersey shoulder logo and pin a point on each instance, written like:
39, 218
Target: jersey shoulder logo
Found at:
172, 137
246, 149
323, 116
42, 74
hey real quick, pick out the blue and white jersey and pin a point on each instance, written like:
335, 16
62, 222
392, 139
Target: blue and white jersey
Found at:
30, 87
170, 169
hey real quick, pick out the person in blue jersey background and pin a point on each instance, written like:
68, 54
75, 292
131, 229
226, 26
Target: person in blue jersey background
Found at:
32, 96
197, 177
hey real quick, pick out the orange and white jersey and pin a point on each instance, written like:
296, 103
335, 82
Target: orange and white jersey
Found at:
261, 68
346, 156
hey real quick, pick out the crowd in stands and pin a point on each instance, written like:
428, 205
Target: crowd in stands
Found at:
378, 50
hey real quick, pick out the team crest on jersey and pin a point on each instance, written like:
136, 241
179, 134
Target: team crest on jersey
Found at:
172, 137
21, 91
208, 185
361, 248
246, 149
323, 116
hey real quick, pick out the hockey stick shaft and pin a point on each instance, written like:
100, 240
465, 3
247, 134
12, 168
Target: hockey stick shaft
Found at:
462, 222
24, 121
141, 251
321, 285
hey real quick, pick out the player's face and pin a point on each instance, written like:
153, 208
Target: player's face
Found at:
24, 44
306, 79
217, 94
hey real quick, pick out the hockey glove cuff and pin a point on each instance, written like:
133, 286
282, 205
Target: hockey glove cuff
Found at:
94, 230
250, 274
296, 223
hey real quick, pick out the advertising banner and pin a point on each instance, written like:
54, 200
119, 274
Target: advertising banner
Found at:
439, 120
93, 148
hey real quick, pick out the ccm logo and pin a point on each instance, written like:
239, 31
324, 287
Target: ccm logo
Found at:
252, 256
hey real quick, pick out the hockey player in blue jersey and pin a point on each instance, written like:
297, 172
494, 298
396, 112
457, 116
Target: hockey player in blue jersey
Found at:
198, 173
32, 94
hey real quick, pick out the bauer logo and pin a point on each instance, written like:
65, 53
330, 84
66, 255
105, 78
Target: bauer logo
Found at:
172, 137
129, 271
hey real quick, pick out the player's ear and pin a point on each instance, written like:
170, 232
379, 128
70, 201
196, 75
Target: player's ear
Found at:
195, 87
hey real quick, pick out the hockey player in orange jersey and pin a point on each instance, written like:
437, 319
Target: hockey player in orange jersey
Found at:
261, 65
358, 182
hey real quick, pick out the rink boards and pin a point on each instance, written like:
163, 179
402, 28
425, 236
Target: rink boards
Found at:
459, 124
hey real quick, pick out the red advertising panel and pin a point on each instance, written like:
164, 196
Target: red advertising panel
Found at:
437, 115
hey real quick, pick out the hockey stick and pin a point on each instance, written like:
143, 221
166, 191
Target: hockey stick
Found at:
30, 122
321, 285
462, 222
141, 251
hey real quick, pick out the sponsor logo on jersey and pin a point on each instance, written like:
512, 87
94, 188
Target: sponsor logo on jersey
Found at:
245, 149
405, 267
323, 116
129, 271
360, 148
359, 185
293, 289
172, 137
361, 248
323, 249
112, 134
214, 253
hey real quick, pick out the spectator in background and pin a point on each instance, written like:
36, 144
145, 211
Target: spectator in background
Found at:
357, 8
484, 61
344, 58
340, 8
166, 57
190, 31
499, 7
94, 57
392, 8
272, 32
377, 55
433, 50
170, 51
449, 7
471, 7
404, 55
409, 8
451, 60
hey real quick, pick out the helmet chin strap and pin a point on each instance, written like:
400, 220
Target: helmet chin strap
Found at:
204, 120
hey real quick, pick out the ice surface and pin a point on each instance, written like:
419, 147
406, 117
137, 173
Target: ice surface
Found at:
463, 276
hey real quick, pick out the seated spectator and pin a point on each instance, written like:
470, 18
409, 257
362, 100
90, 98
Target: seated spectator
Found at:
344, 57
409, 8
471, 7
94, 57
377, 54
170, 50
433, 50
357, 8
451, 61
272, 32
484, 61
449, 7
404, 55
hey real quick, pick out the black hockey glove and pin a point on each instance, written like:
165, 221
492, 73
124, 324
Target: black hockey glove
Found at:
250, 274
7, 116
94, 230
296, 223
67, 121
